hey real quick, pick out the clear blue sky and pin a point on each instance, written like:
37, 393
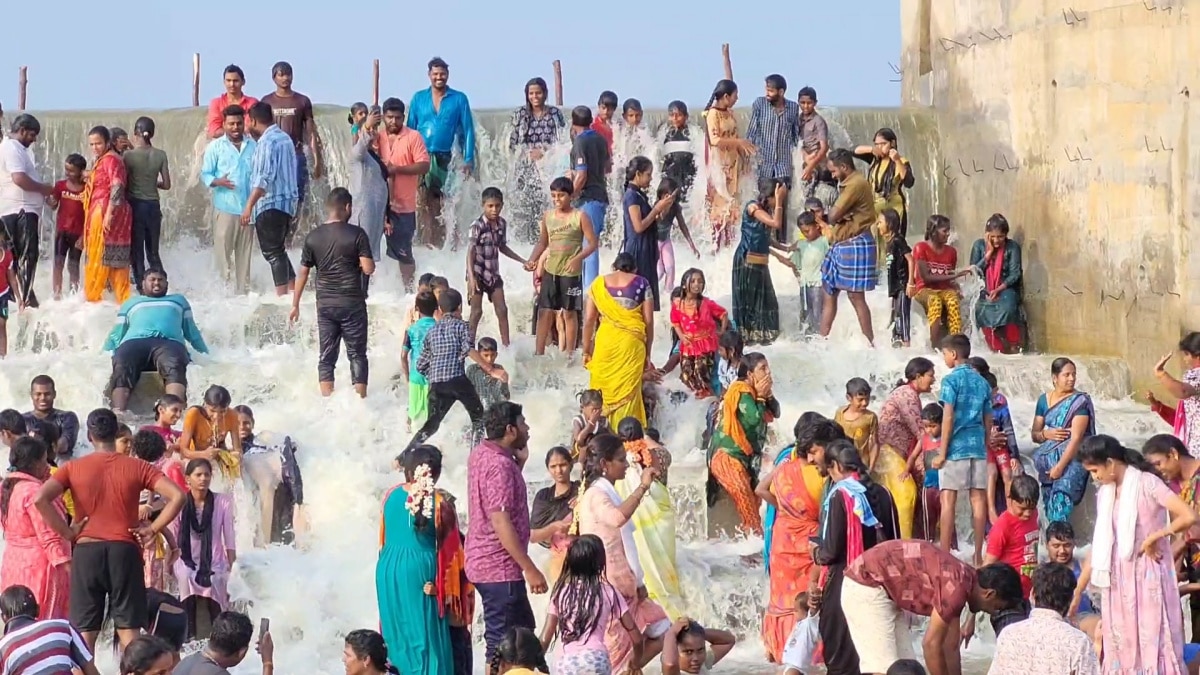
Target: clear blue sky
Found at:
657, 52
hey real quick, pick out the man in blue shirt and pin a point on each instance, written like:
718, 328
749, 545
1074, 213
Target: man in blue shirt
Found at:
443, 118
149, 335
273, 193
962, 459
226, 171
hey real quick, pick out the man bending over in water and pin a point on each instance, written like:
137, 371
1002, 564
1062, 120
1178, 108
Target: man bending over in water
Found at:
149, 335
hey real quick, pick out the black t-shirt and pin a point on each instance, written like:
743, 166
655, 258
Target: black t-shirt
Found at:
334, 249
590, 152
897, 265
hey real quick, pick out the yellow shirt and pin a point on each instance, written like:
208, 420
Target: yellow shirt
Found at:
68, 501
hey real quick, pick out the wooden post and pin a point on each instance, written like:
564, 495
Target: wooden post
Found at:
727, 60
196, 80
558, 89
375, 83
22, 87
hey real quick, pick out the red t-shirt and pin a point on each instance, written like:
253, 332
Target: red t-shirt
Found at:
107, 488
69, 219
1015, 542
940, 265
6, 262
601, 127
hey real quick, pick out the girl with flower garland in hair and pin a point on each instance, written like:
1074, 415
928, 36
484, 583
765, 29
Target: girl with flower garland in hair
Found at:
425, 603
519, 653
583, 607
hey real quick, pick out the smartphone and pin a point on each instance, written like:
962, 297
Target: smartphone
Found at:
264, 626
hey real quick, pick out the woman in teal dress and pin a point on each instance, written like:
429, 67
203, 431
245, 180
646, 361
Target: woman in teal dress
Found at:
997, 259
410, 618
755, 306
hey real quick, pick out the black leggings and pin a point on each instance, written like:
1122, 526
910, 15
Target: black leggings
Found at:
338, 324
273, 227
147, 230
442, 397
22, 232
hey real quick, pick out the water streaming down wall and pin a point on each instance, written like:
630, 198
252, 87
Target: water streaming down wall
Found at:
315, 595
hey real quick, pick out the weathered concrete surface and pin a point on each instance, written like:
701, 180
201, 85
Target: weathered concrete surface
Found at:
1073, 118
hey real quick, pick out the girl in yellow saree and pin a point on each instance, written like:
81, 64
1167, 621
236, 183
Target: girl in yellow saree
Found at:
618, 332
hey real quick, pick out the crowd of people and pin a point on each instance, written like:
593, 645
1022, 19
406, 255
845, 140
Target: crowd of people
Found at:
859, 524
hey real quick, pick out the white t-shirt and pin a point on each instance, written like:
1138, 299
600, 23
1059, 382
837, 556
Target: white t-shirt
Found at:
16, 158
802, 645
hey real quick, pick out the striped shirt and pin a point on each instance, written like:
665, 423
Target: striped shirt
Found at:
50, 647
775, 134
274, 171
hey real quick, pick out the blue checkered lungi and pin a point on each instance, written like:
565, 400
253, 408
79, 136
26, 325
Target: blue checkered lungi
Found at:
851, 265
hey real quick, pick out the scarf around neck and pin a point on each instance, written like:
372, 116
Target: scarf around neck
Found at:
1123, 532
189, 524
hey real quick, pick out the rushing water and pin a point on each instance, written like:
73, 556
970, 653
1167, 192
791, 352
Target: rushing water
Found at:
319, 592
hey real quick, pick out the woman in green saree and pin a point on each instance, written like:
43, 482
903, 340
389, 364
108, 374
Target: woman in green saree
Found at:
997, 259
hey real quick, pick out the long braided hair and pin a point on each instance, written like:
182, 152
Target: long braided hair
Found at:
604, 447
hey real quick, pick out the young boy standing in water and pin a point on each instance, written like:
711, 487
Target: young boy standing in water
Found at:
492, 387
962, 457
414, 341
808, 252
488, 239
568, 235
67, 199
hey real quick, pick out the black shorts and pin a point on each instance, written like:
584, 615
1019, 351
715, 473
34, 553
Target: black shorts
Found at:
64, 245
107, 575
400, 241
561, 293
142, 355
486, 290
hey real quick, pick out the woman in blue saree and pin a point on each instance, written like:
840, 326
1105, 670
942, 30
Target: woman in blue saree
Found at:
1064, 417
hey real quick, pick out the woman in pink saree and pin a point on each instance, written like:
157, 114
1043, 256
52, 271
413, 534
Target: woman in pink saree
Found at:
600, 511
34, 555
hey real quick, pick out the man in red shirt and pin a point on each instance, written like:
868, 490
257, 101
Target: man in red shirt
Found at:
235, 79
67, 198
106, 564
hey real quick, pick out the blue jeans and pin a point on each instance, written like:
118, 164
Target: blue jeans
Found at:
505, 606
591, 266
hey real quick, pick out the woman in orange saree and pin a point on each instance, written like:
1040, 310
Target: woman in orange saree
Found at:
108, 227
793, 493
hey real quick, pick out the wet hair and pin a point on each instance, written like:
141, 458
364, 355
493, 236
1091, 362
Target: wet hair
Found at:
560, 451
1164, 444
888, 135
124, 431
590, 397
691, 273
426, 303
102, 132
581, 116
233, 111
194, 465
486, 344
677, 293
24, 456
392, 104
11, 421
244, 410
581, 592
231, 633
144, 127
339, 198
892, 219
148, 446
1098, 449
231, 68
653, 434
666, 186
813, 203
678, 106
499, 417
521, 648
856, 386
261, 113
217, 396
491, 194
776, 81
631, 104
733, 341
49, 433
996, 223
766, 193
807, 91
141, 654
102, 426
76, 160
1190, 344
281, 68
18, 601
932, 412
990, 378
638, 164
906, 667
562, 184
724, 88
841, 157
748, 363
805, 219
916, 367
369, 645
845, 455
1060, 530
813, 429
536, 81
979, 365
1054, 587
630, 429
437, 62
1060, 364
439, 282
936, 222
1024, 490
450, 301
166, 401
26, 122
357, 107
607, 99
624, 262
1003, 579
603, 447
959, 344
